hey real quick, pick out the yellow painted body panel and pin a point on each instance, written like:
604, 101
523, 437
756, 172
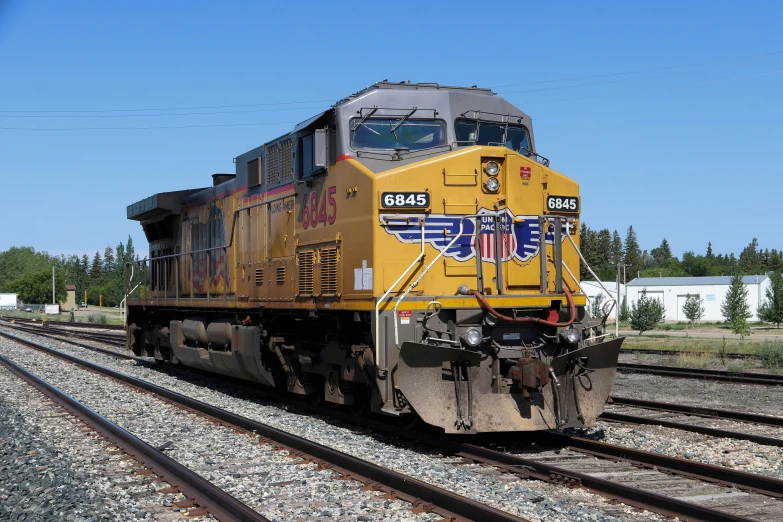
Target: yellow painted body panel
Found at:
320, 244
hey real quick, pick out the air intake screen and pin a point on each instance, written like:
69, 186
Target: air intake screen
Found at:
259, 276
280, 275
306, 273
329, 271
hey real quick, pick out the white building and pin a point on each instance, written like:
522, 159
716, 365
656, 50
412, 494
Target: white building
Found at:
673, 291
593, 288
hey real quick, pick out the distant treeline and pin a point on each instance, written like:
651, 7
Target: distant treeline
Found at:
604, 251
29, 274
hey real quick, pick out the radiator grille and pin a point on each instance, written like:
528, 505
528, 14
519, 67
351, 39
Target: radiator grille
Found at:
259, 276
280, 275
306, 272
329, 270
279, 170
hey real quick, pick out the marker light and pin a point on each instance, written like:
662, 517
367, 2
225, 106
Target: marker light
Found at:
492, 168
472, 337
492, 184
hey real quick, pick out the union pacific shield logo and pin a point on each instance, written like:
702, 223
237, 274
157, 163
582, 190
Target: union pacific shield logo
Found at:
520, 236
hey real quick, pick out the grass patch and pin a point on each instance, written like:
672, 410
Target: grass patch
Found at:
98, 318
690, 344
770, 353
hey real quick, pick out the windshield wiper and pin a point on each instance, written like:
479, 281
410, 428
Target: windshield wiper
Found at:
402, 120
364, 118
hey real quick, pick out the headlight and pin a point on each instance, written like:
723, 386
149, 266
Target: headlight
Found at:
472, 337
492, 168
572, 334
492, 184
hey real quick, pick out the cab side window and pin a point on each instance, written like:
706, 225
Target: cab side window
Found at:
306, 156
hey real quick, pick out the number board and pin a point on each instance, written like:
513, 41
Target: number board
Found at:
565, 204
405, 200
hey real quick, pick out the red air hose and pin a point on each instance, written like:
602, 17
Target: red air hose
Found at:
538, 320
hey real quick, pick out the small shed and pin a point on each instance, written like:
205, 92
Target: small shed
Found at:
70, 299
673, 291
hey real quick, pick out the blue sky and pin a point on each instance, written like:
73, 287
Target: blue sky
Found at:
667, 113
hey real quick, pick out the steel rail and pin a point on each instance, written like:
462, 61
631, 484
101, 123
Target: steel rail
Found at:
514, 464
704, 430
729, 355
700, 411
450, 504
699, 373
749, 481
66, 323
218, 502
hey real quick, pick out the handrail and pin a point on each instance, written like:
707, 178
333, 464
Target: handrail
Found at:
424, 272
382, 353
617, 319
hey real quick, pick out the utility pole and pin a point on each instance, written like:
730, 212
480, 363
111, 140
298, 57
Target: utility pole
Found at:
53, 296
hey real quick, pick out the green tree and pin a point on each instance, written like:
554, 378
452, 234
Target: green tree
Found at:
18, 261
662, 253
632, 255
693, 308
771, 309
96, 270
625, 314
616, 252
750, 259
595, 306
588, 244
646, 313
36, 287
710, 255
735, 308
108, 260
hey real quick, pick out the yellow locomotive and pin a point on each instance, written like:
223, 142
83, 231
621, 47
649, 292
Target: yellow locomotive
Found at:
405, 251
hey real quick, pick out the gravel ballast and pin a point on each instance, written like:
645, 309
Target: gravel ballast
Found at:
53, 467
530, 499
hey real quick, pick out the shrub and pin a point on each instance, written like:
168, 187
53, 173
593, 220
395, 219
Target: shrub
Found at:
103, 318
771, 354
646, 313
91, 318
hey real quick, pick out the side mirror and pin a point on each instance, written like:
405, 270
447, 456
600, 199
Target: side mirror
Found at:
320, 152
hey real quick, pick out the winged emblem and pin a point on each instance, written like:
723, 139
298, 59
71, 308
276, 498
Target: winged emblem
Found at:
520, 236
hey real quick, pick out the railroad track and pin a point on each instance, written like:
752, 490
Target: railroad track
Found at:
760, 429
616, 462
420, 495
206, 497
86, 326
729, 355
765, 379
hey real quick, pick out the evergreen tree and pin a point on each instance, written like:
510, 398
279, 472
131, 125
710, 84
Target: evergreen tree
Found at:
771, 310
693, 308
108, 260
97, 267
750, 259
710, 256
617, 249
604, 249
624, 313
735, 308
775, 261
662, 253
589, 247
646, 313
632, 256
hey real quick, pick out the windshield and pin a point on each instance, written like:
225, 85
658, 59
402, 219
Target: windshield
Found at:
390, 134
485, 133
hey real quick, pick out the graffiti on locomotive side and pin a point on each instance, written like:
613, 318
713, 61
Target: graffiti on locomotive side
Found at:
209, 267
315, 213
282, 206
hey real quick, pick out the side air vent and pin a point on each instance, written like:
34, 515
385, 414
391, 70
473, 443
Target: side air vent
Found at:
259, 276
305, 262
280, 275
329, 271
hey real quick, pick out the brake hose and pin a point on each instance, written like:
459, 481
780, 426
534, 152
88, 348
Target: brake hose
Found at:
537, 320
